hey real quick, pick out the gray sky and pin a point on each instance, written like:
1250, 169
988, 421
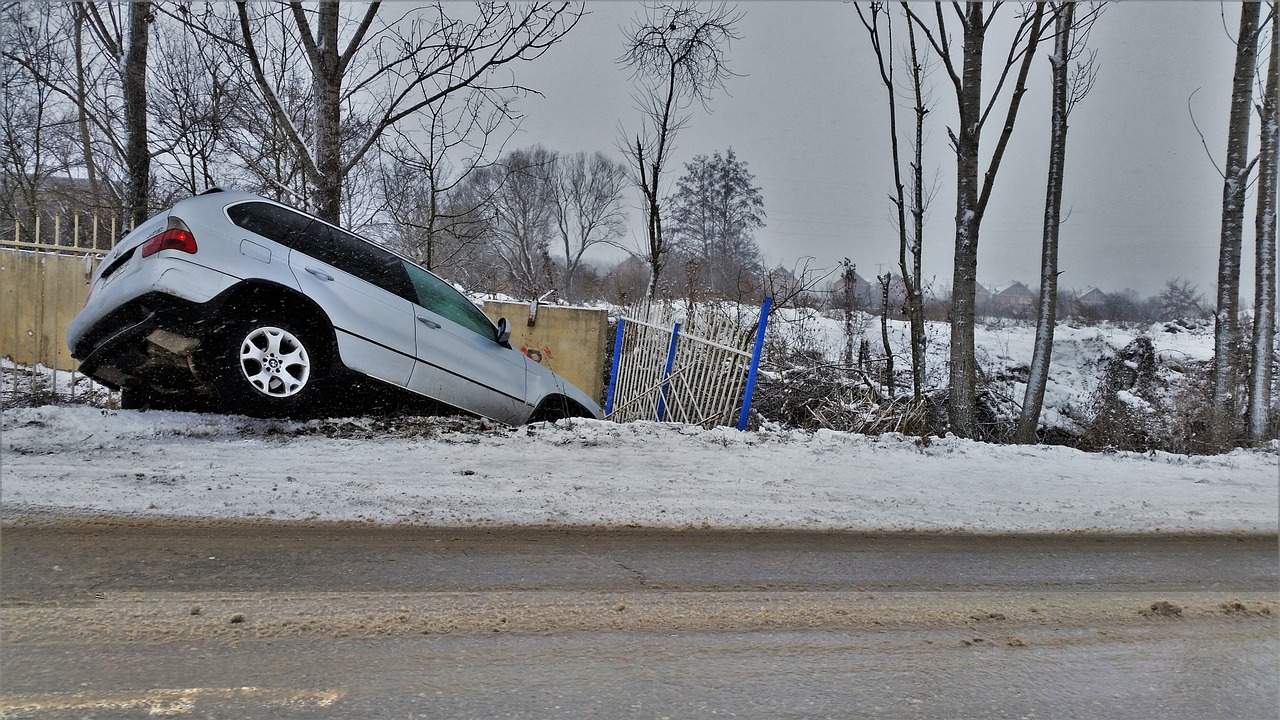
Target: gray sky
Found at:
808, 115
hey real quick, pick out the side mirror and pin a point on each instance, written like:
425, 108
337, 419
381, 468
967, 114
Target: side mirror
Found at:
504, 332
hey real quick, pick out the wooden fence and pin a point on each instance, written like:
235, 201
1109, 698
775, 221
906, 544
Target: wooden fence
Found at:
44, 279
701, 371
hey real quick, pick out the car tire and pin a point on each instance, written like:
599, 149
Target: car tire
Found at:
135, 398
267, 367
555, 408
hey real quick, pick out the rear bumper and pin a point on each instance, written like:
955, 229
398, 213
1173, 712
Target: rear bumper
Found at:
143, 342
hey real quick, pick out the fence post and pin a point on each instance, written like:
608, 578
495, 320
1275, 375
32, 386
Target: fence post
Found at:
755, 364
671, 359
613, 372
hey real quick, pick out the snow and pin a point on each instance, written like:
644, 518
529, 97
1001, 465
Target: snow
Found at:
59, 461
77, 461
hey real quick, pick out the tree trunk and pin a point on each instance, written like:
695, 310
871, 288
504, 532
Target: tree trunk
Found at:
82, 112
327, 87
1047, 313
915, 293
884, 333
137, 158
1264, 313
1226, 347
962, 400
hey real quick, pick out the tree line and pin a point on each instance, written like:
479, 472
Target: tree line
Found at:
395, 121
957, 40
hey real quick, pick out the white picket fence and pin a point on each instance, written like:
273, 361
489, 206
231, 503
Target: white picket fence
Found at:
700, 371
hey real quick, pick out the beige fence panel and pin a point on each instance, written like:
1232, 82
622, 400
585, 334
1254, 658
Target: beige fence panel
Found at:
43, 284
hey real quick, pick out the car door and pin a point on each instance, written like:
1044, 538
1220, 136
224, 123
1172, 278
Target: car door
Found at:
459, 359
363, 289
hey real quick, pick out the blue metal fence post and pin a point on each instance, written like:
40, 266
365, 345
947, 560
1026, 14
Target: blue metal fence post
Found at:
613, 372
755, 364
671, 359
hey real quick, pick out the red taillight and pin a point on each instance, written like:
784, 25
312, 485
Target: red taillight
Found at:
176, 237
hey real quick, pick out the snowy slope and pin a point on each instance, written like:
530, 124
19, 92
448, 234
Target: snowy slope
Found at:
456, 472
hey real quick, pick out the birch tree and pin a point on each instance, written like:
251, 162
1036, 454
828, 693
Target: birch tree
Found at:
677, 54
1264, 305
1069, 87
973, 186
1227, 336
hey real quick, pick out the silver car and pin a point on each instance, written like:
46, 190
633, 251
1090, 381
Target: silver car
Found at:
235, 301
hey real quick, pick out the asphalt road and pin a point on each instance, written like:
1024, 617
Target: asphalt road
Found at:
103, 621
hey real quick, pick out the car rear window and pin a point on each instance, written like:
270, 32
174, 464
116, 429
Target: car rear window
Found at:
270, 221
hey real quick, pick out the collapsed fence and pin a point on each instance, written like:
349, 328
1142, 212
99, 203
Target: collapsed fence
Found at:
701, 371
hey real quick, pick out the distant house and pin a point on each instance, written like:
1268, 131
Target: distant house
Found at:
981, 297
1092, 298
1015, 298
860, 294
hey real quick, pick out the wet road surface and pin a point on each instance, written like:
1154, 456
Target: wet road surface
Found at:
104, 621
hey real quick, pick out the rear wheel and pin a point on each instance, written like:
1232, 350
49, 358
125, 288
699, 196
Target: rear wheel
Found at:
267, 367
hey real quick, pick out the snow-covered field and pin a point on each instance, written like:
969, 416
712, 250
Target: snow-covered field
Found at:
73, 460
57, 461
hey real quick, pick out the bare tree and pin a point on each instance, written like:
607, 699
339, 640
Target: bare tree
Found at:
519, 217
76, 52
1070, 86
1226, 346
587, 192
191, 94
368, 74
910, 237
424, 171
1179, 300
31, 118
1264, 305
676, 53
972, 191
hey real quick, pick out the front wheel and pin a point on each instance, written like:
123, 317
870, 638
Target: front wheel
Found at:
267, 367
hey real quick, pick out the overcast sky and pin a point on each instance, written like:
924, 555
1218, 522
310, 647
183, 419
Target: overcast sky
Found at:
808, 115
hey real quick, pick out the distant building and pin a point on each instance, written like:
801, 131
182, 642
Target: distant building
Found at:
1015, 298
981, 297
1092, 298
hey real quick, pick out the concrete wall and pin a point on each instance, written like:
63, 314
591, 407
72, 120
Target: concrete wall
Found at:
569, 341
40, 293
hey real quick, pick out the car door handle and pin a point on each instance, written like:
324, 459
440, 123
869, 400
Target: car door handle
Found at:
320, 274
429, 323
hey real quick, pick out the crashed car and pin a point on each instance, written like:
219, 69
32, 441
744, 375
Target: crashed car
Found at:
251, 306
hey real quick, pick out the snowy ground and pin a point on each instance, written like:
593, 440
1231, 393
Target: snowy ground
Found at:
77, 460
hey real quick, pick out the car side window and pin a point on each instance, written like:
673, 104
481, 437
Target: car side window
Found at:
271, 221
358, 257
440, 298
324, 243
